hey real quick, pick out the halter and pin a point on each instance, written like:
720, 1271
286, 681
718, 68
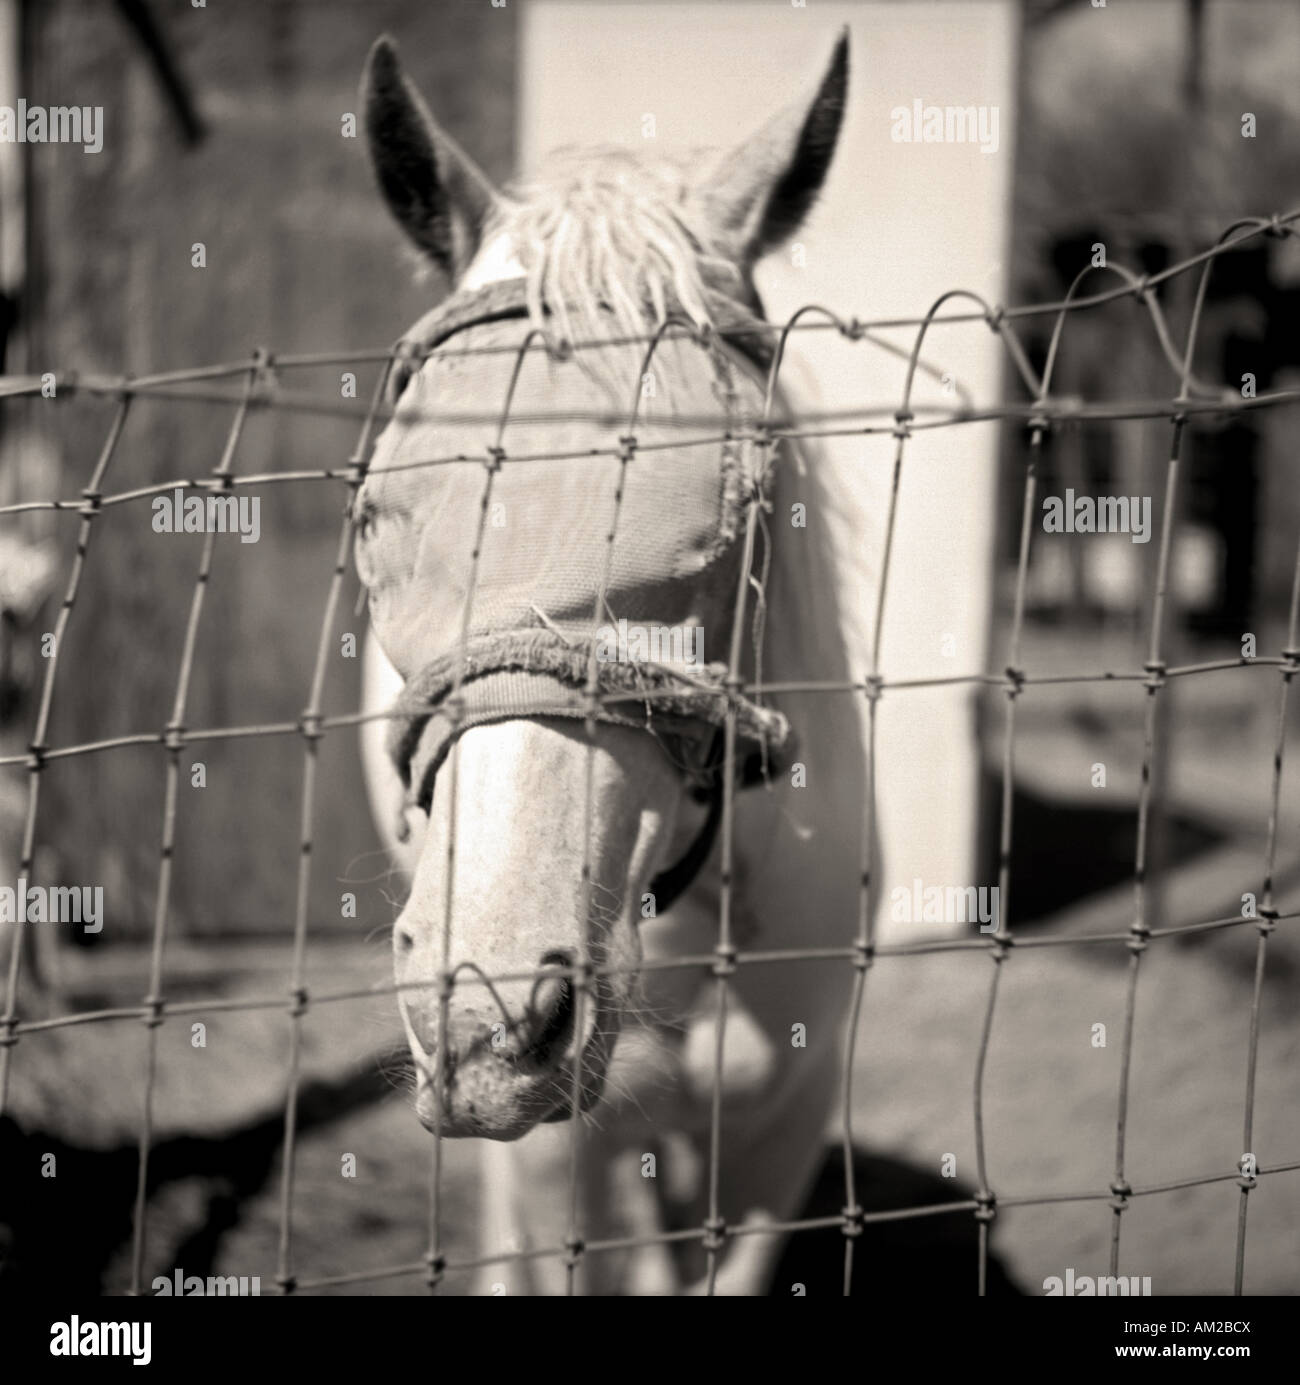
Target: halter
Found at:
536, 670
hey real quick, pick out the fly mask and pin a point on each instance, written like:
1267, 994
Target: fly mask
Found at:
485, 575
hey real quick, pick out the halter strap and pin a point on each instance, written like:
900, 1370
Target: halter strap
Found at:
741, 329
516, 676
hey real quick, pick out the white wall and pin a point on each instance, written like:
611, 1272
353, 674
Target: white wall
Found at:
898, 224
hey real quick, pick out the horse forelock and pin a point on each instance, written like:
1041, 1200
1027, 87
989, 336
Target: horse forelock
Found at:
610, 245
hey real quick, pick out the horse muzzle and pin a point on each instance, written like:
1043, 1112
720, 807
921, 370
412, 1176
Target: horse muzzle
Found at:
509, 1068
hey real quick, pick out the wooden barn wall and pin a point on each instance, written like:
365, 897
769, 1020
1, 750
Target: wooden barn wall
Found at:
300, 257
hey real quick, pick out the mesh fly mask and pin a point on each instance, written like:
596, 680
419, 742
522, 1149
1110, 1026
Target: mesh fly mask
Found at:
542, 529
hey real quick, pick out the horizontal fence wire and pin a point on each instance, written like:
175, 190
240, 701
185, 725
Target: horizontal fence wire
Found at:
1041, 415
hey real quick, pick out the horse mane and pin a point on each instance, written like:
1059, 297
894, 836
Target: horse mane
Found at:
608, 241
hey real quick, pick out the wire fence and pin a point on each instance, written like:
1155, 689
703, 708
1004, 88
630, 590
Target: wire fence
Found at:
257, 387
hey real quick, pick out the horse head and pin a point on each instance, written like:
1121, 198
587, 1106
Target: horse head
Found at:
550, 809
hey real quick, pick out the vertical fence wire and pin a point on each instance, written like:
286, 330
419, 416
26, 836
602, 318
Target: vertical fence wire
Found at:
851, 1213
724, 950
91, 497
312, 733
175, 743
574, 1243
495, 459
985, 1199
1268, 915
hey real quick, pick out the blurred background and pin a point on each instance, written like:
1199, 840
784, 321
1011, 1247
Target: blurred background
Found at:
1121, 126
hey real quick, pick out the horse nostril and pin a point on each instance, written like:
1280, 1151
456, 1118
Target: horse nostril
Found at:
403, 939
550, 1010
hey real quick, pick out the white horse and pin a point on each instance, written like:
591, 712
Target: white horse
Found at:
604, 244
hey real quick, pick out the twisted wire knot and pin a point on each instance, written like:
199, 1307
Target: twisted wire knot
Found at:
725, 965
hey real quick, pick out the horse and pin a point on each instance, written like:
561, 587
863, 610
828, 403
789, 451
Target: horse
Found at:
534, 831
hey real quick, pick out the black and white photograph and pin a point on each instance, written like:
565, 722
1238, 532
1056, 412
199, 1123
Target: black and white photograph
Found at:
647, 649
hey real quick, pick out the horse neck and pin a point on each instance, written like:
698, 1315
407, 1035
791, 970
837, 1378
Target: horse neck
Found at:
804, 630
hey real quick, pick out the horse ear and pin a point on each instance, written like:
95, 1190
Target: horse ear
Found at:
760, 192
437, 194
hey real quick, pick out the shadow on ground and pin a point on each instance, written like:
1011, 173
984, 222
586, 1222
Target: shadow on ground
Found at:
67, 1230
1091, 849
934, 1255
